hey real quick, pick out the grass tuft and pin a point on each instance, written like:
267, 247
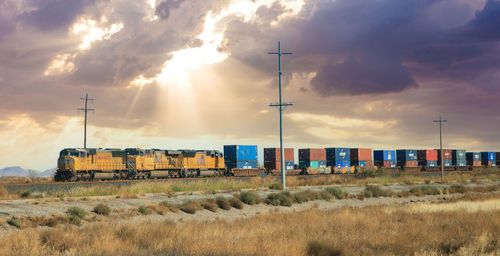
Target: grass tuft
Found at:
336, 192
279, 199
321, 248
236, 203
223, 203
169, 206
210, 204
144, 209
249, 197
190, 206
14, 222
102, 209
376, 191
276, 186
77, 211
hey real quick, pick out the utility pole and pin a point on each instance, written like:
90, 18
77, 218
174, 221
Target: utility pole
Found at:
440, 121
85, 110
281, 106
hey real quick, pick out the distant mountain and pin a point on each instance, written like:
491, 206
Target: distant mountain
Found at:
19, 171
48, 172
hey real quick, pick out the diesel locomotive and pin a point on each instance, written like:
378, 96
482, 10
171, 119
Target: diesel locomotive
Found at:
75, 164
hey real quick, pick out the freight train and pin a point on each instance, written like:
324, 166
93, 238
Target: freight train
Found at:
77, 164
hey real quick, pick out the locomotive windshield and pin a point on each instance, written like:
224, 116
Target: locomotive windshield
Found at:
67, 152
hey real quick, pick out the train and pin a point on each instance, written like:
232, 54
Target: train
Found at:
87, 164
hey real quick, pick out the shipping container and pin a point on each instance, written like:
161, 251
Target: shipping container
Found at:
241, 164
273, 154
381, 156
277, 165
446, 154
361, 157
460, 163
446, 163
473, 158
333, 155
312, 154
488, 158
458, 157
498, 158
340, 164
427, 155
425, 163
233, 153
407, 157
389, 164
313, 164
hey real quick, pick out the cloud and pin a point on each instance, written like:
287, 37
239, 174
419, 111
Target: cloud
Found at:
54, 14
163, 8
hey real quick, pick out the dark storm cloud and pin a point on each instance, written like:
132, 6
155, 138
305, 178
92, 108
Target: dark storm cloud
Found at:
486, 24
54, 14
163, 9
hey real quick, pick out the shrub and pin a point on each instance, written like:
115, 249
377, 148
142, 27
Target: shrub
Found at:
336, 192
236, 203
456, 189
279, 199
75, 220
323, 195
425, 190
276, 186
305, 196
210, 205
366, 193
144, 209
250, 198
14, 222
77, 211
317, 248
223, 203
102, 209
190, 207
376, 191
26, 194
169, 206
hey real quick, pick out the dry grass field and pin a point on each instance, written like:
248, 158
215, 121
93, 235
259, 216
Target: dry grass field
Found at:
438, 229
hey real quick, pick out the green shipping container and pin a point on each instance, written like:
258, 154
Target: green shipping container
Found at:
313, 164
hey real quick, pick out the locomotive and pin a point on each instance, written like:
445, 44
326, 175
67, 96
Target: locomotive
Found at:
75, 164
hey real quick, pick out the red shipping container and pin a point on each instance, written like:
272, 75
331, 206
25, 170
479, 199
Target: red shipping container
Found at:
476, 163
273, 154
368, 163
431, 155
446, 154
312, 154
361, 154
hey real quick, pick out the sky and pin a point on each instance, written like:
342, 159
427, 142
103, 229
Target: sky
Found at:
195, 74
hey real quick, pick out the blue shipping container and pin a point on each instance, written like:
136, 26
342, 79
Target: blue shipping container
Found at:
240, 152
488, 156
312, 164
361, 163
241, 164
384, 155
427, 163
458, 154
337, 154
404, 155
460, 163
289, 165
473, 156
447, 163
342, 164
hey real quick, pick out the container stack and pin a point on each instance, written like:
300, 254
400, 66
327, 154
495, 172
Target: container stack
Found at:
488, 159
312, 157
361, 157
473, 158
498, 158
427, 158
240, 156
384, 158
272, 158
447, 157
338, 157
407, 157
458, 157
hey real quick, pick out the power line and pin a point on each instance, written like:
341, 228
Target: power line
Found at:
281, 106
85, 110
440, 121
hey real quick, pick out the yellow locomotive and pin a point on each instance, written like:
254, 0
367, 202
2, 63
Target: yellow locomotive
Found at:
134, 163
